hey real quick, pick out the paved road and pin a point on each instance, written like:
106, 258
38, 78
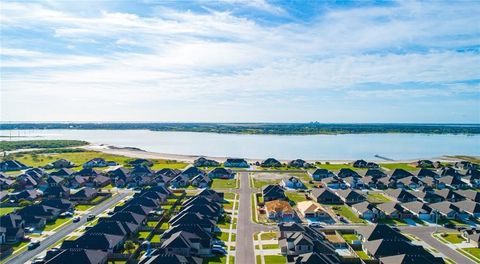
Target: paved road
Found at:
245, 227
25, 256
424, 233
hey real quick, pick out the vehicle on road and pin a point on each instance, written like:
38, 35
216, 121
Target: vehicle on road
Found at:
90, 217
38, 260
76, 219
34, 244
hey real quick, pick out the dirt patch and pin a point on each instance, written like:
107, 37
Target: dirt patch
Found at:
265, 176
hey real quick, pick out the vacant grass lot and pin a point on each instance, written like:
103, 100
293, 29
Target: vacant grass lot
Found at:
261, 183
295, 196
454, 238
392, 166
224, 184
268, 236
7, 210
229, 196
347, 213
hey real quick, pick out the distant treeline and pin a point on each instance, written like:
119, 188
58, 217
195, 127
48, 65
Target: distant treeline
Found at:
264, 128
29, 144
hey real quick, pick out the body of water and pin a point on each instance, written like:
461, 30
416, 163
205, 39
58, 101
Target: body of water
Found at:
321, 147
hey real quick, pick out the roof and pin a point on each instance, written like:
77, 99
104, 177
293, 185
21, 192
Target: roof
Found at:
279, 206
410, 259
468, 206
417, 207
91, 240
379, 231
309, 206
170, 259
76, 256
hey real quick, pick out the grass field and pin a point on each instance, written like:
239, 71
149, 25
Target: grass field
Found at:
347, 213
296, 196
229, 196
57, 223
268, 236
392, 166
454, 238
224, 184
261, 183
377, 198
7, 210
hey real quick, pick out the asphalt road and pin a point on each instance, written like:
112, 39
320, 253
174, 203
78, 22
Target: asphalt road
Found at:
25, 256
245, 227
424, 233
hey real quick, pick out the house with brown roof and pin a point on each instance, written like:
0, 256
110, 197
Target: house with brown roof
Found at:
279, 210
309, 209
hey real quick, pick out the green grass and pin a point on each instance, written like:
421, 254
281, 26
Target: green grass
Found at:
218, 260
347, 213
254, 209
164, 226
57, 223
229, 196
392, 166
261, 183
268, 236
296, 196
224, 184
83, 207
223, 236
143, 234
30, 144
335, 166
349, 237
7, 210
228, 205
18, 245
270, 246
377, 198
152, 223
275, 259
156, 238
473, 251
362, 254
392, 221
259, 259
454, 238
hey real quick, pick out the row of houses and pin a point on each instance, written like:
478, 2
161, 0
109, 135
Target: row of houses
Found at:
191, 233
107, 238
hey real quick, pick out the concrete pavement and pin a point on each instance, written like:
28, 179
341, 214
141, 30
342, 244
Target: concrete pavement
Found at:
63, 232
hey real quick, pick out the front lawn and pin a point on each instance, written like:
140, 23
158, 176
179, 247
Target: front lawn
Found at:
270, 246
143, 234
275, 259
152, 223
218, 260
473, 251
224, 184
18, 245
57, 223
392, 221
223, 236
350, 237
83, 207
347, 213
454, 238
156, 238
268, 236
362, 254
164, 226
229, 196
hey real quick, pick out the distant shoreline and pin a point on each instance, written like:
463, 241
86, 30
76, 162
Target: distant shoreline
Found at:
262, 128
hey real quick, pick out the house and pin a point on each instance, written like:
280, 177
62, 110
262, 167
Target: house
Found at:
221, 173
419, 209
63, 172
55, 180
292, 183
141, 171
186, 244
273, 192
140, 162
204, 162
423, 164
48, 213
347, 172
28, 182
428, 197
76, 256
278, 209
29, 195
96, 162
401, 195
192, 172
312, 258
378, 231
236, 163
472, 236
100, 181
88, 172
466, 165
469, 207
85, 194
472, 181
180, 181
320, 174
392, 210
200, 181
450, 195
334, 183
445, 209
5, 182
211, 194
470, 194
356, 183
381, 248
296, 239
61, 204
58, 191
309, 209
411, 182
12, 165
410, 259
271, 162
325, 196
350, 196
366, 210
359, 164
12, 228
96, 241
77, 181
421, 173
451, 181
398, 174
206, 223
168, 172
60, 164
299, 163
170, 259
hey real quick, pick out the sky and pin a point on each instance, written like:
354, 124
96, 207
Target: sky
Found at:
240, 61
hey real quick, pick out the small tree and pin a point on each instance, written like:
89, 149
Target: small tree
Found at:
24, 203
129, 246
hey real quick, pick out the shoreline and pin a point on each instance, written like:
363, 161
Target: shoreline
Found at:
140, 153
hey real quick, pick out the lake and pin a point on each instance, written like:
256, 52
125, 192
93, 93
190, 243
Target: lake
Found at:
311, 147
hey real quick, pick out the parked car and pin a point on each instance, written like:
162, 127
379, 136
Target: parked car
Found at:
38, 260
34, 244
314, 224
28, 229
76, 219
90, 217
219, 251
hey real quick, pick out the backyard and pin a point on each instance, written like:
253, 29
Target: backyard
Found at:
347, 213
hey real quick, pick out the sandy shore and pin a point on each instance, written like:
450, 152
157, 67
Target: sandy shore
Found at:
139, 153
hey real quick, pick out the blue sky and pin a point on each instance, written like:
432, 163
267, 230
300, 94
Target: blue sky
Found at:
240, 61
